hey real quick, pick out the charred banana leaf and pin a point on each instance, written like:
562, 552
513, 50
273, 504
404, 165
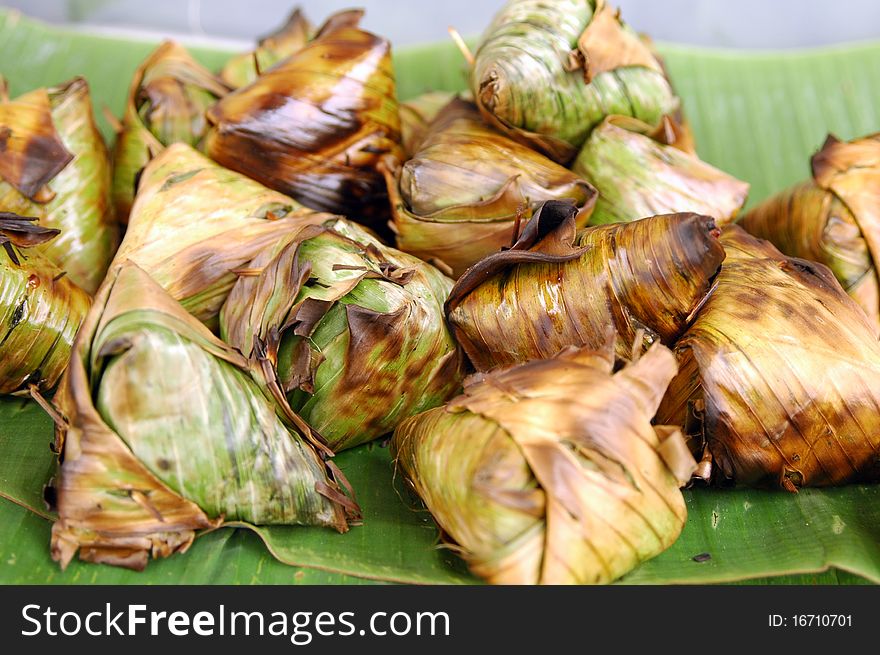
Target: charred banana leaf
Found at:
779, 374
416, 116
548, 72
167, 101
291, 37
554, 288
316, 125
150, 457
195, 222
833, 219
639, 173
469, 189
54, 165
353, 330
40, 309
551, 472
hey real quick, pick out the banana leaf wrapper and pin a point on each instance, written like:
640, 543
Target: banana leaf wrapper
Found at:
290, 38
468, 190
195, 222
54, 166
167, 101
833, 218
353, 331
556, 288
148, 458
551, 472
40, 309
779, 375
547, 73
416, 116
316, 125
638, 173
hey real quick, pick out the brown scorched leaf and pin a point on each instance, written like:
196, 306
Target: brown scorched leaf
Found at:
40, 309
31, 150
551, 472
316, 125
833, 218
780, 374
555, 288
75, 198
416, 115
469, 189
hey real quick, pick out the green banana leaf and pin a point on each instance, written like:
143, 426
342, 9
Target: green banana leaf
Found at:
758, 116
746, 533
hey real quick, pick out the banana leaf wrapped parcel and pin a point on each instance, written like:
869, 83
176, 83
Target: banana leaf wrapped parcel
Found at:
353, 330
639, 171
291, 37
779, 374
195, 222
40, 309
167, 100
54, 165
547, 73
468, 187
833, 218
551, 472
148, 457
316, 125
556, 288
416, 115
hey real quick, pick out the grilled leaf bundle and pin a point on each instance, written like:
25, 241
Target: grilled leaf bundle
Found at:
167, 101
833, 218
354, 330
779, 374
416, 115
554, 288
551, 472
54, 166
549, 72
40, 308
316, 125
195, 222
149, 457
637, 174
291, 37
468, 188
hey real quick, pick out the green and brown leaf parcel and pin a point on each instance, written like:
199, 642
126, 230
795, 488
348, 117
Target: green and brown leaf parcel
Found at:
167, 430
779, 374
547, 73
195, 222
551, 472
316, 125
288, 39
54, 166
167, 100
638, 172
833, 218
40, 308
353, 330
556, 288
468, 189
